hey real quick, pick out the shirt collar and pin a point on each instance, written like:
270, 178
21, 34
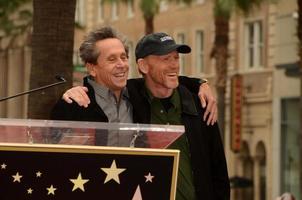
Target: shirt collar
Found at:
104, 91
174, 98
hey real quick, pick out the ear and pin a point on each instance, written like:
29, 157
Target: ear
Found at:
91, 69
142, 66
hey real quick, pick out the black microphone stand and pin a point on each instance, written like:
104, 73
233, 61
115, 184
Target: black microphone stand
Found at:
60, 78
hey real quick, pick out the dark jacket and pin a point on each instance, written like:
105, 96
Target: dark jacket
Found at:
73, 112
207, 153
65, 111
208, 160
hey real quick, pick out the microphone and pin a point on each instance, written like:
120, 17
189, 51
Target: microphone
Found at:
61, 80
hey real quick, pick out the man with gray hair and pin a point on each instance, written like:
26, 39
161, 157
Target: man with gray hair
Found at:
103, 96
203, 173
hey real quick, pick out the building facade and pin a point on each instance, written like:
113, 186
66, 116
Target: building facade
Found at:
260, 44
263, 46
15, 61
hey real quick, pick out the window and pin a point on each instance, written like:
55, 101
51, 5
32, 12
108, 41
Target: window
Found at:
163, 5
290, 131
254, 45
101, 10
199, 52
200, 1
114, 10
80, 15
286, 40
130, 8
181, 40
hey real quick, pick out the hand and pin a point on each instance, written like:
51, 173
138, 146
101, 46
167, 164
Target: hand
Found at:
209, 101
77, 94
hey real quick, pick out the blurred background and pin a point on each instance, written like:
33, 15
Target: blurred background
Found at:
249, 50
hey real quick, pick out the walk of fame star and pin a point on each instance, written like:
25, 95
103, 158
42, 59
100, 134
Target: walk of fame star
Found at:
113, 172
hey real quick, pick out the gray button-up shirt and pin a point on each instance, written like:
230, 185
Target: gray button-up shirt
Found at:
119, 111
116, 110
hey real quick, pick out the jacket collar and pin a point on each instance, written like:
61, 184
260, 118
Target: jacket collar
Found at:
187, 100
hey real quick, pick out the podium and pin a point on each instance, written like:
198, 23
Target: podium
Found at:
44, 159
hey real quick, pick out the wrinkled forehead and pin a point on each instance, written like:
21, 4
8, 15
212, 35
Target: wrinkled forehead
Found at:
110, 46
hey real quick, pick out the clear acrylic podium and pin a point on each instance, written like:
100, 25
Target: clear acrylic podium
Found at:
43, 159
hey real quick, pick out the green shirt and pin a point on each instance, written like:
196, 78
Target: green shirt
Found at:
168, 111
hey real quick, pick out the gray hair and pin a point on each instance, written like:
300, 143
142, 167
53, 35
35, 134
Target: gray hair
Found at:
286, 196
88, 52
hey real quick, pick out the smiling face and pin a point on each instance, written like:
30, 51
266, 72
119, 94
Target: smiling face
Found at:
112, 65
161, 73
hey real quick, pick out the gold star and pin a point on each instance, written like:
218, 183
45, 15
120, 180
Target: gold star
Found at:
38, 174
149, 178
79, 183
51, 190
17, 177
113, 172
30, 191
3, 166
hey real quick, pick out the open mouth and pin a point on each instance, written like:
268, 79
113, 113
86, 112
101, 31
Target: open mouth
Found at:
172, 74
120, 75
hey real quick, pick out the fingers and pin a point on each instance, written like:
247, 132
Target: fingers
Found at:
83, 97
66, 98
207, 113
208, 101
210, 114
202, 100
77, 94
213, 116
204, 94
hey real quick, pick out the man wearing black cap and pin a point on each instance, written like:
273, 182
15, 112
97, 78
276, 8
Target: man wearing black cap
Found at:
105, 57
202, 171
75, 100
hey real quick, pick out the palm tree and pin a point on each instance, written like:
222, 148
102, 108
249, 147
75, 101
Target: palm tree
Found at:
222, 13
9, 29
52, 50
149, 9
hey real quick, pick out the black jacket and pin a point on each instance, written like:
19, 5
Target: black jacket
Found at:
208, 160
74, 112
207, 154
65, 111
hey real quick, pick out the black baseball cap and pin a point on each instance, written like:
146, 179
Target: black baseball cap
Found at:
158, 44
